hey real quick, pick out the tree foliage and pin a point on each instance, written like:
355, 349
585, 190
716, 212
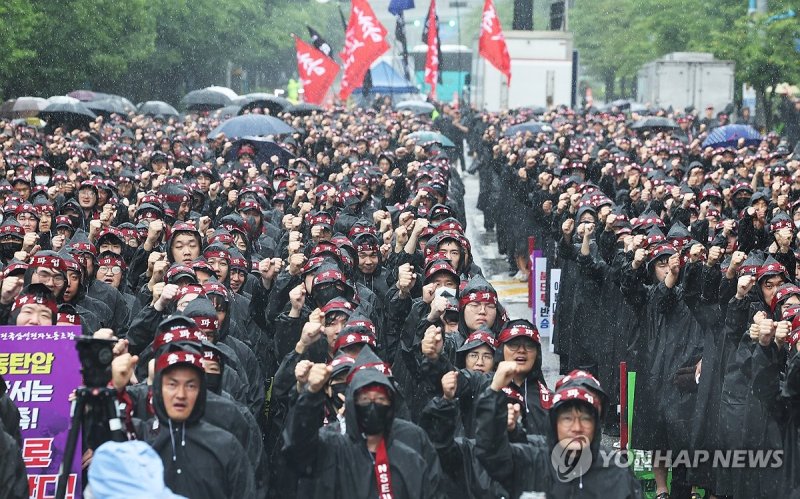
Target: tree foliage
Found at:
150, 48
615, 37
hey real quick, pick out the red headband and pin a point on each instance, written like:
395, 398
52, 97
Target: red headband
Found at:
190, 289
32, 299
217, 254
573, 375
518, 331
577, 393
73, 319
207, 323
482, 337
479, 297
381, 367
172, 358
210, 355
354, 339
178, 334
48, 262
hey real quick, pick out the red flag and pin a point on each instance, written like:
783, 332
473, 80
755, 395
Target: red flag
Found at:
365, 41
492, 44
316, 71
432, 58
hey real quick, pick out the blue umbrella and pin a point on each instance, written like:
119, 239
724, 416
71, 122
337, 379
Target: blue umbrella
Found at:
729, 135
252, 125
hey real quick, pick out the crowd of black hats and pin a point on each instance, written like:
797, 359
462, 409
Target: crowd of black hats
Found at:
259, 262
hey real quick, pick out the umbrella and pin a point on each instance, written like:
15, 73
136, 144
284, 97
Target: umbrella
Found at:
83, 95
729, 135
415, 106
62, 99
252, 125
226, 112
29, 106
648, 123
107, 107
428, 136
274, 103
154, 107
205, 99
74, 115
224, 90
265, 149
529, 126
303, 109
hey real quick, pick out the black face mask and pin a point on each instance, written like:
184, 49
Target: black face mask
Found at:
8, 249
337, 402
741, 203
214, 382
325, 294
373, 419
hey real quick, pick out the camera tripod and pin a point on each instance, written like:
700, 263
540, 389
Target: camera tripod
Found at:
105, 425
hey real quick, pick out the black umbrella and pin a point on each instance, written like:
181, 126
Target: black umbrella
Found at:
303, 109
154, 107
205, 99
529, 126
654, 122
71, 115
274, 103
264, 148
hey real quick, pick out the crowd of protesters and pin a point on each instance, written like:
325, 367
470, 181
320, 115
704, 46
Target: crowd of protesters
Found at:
313, 324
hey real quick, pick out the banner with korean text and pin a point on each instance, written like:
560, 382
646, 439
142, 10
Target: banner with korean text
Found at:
41, 368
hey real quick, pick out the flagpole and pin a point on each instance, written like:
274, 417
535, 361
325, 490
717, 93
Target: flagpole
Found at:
402, 21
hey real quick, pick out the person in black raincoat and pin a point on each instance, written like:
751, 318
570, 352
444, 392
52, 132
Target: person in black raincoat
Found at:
753, 303
574, 426
517, 342
672, 340
200, 460
776, 383
369, 459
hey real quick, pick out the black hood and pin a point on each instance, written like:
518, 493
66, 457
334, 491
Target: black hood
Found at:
200, 403
476, 285
361, 377
203, 307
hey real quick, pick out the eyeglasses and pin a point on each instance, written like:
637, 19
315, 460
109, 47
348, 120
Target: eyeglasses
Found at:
474, 356
516, 345
474, 305
570, 419
116, 269
45, 276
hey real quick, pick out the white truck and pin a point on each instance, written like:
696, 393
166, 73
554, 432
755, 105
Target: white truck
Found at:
683, 79
541, 72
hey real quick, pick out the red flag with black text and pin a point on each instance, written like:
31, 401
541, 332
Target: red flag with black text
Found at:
432, 57
317, 71
365, 41
492, 43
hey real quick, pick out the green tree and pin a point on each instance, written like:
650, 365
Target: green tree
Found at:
764, 52
82, 43
18, 20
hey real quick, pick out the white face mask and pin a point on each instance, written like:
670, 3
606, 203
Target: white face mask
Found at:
797, 224
41, 179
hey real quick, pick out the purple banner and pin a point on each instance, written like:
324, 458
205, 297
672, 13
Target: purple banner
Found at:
41, 368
